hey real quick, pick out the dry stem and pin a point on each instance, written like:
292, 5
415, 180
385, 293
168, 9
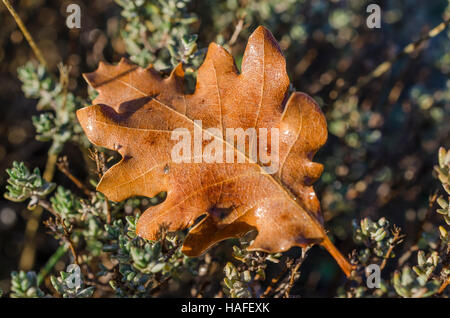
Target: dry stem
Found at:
25, 32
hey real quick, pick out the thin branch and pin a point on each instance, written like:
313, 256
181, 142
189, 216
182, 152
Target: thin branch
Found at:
397, 239
100, 161
64, 80
431, 203
63, 166
28, 253
108, 212
444, 285
25, 32
51, 263
276, 280
407, 255
408, 50
294, 271
236, 32
46, 205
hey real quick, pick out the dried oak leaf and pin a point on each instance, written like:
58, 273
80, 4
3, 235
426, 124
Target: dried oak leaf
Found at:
137, 110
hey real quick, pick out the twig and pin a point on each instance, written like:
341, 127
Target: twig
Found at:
69, 241
387, 65
50, 167
64, 80
63, 166
431, 202
279, 278
28, 253
395, 241
444, 285
100, 161
236, 32
46, 205
51, 263
25, 32
108, 212
294, 275
407, 255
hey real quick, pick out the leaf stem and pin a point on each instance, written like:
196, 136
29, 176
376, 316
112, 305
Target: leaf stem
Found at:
346, 267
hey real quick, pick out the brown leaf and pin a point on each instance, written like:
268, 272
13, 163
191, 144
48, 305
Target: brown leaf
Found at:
137, 110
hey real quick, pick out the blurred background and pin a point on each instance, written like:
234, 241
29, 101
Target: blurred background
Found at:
383, 135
